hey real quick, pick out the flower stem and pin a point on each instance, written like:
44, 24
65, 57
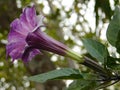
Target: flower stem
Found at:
88, 62
95, 66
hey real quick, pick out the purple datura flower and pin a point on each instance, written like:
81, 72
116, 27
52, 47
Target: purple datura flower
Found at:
26, 39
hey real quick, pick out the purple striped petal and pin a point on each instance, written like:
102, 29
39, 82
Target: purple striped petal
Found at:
29, 18
19, 31
29, 54
15, 50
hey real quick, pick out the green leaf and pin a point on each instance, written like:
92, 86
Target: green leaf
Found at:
113, 31
113, 63
96, 49
82, 85
65, 73
88, 82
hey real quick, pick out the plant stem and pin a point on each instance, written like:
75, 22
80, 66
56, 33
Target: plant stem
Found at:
88, 62
95, 66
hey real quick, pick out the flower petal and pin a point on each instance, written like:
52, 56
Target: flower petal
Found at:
18, 33
39, 22
17, 26
40, 19
15, 37
29, 53
29, 18
15, 50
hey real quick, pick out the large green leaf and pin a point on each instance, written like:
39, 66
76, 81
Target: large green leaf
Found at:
96, 49
65, 73
113, 31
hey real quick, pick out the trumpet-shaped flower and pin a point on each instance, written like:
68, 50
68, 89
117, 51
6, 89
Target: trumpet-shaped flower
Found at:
26, 39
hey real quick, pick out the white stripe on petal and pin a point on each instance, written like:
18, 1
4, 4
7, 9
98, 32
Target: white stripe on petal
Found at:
40, 23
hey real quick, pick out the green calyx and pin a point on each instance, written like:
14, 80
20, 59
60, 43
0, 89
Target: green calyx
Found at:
75, 56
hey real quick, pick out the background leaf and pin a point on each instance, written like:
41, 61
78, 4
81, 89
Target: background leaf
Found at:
82, 85
113, 31
96, 49
88, 82
113, 63
65, 73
